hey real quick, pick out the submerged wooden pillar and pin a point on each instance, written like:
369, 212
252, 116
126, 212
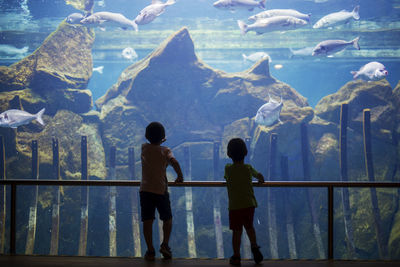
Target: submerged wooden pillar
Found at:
3, 196
189, 203
84, 198
30, 238
348, 226
271, 208
112, 207
217, 205
310, 198
55, 218
134, 205
382, 247
288, 210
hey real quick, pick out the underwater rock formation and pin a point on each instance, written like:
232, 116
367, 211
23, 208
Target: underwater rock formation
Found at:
193, 101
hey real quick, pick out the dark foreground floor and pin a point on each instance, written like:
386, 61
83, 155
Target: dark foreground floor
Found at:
60, 261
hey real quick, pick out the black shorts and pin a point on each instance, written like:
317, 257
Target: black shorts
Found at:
150, 201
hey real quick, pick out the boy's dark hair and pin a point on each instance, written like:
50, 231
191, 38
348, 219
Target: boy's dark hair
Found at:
155, 132
237, 149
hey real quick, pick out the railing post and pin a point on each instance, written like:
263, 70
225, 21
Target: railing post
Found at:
55, 225
30, 239
217, 206
84, 199
3, 197
271, 207
330, 222
134, 205
112, 216
13, 223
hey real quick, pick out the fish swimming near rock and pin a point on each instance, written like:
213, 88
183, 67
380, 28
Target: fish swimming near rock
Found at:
329, 47
12, 50
279, 23
256, 57
75, 18
103, 19
129, 53
99, 69
151, 12
280, 12
336, 18
235, 4
372, 71
14, 117
269, 113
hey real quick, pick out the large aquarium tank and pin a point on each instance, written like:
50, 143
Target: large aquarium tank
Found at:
310, 85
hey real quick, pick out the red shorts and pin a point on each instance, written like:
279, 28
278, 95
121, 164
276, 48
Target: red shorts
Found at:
241, 218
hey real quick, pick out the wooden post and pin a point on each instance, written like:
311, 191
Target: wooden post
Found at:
3, 197
288, 211
271, 208
84, 198
246, 247
189, 203
307, 177
371, 176
134, 205
55, 225
112, 217
348, 226
30, 238
217, 206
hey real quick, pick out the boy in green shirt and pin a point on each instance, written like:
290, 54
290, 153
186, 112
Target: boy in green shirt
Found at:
242, 201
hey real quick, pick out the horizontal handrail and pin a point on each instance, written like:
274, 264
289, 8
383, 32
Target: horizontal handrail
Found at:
198, 183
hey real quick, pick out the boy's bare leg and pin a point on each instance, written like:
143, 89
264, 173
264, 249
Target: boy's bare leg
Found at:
236, 239
148, 234
167, 228
251, 233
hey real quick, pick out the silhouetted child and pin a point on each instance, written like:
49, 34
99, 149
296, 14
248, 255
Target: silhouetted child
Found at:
242, 201
154, 188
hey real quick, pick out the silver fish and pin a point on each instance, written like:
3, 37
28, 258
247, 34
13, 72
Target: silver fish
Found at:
329, 47
12, 50
98, 69
280, 12
372, 71
336, 18
103, 19
234, 4
14, 117
279, 23
303, 52
151, 12
269, 113
129, 53
256, 56
75, 18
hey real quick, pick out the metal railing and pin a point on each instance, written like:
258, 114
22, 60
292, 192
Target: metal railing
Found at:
330, 186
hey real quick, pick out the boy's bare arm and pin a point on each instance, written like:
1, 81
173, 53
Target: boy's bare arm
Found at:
177, 169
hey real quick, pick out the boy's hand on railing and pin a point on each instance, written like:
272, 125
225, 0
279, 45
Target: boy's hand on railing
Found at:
260, 178
179, 179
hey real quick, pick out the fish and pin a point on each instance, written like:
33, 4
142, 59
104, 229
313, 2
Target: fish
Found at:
151, 12
98, 69
336, 18
303, 52
256, 57
278, 66
12, 50
269, 113
244, 4
14, 117
372, 71
329, 47
279, 23
129, 53
280, 12
75, 18
105, 18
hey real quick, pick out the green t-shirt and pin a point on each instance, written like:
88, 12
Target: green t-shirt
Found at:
239, 184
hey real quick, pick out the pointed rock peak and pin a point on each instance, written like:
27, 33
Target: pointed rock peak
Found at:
178, 47
261, 68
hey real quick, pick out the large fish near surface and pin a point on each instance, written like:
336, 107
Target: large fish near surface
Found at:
151, 12
279, 23
373, 71
336, 18
269, 113
14, 117
329, 47
104, 19
280, 12
244, 4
